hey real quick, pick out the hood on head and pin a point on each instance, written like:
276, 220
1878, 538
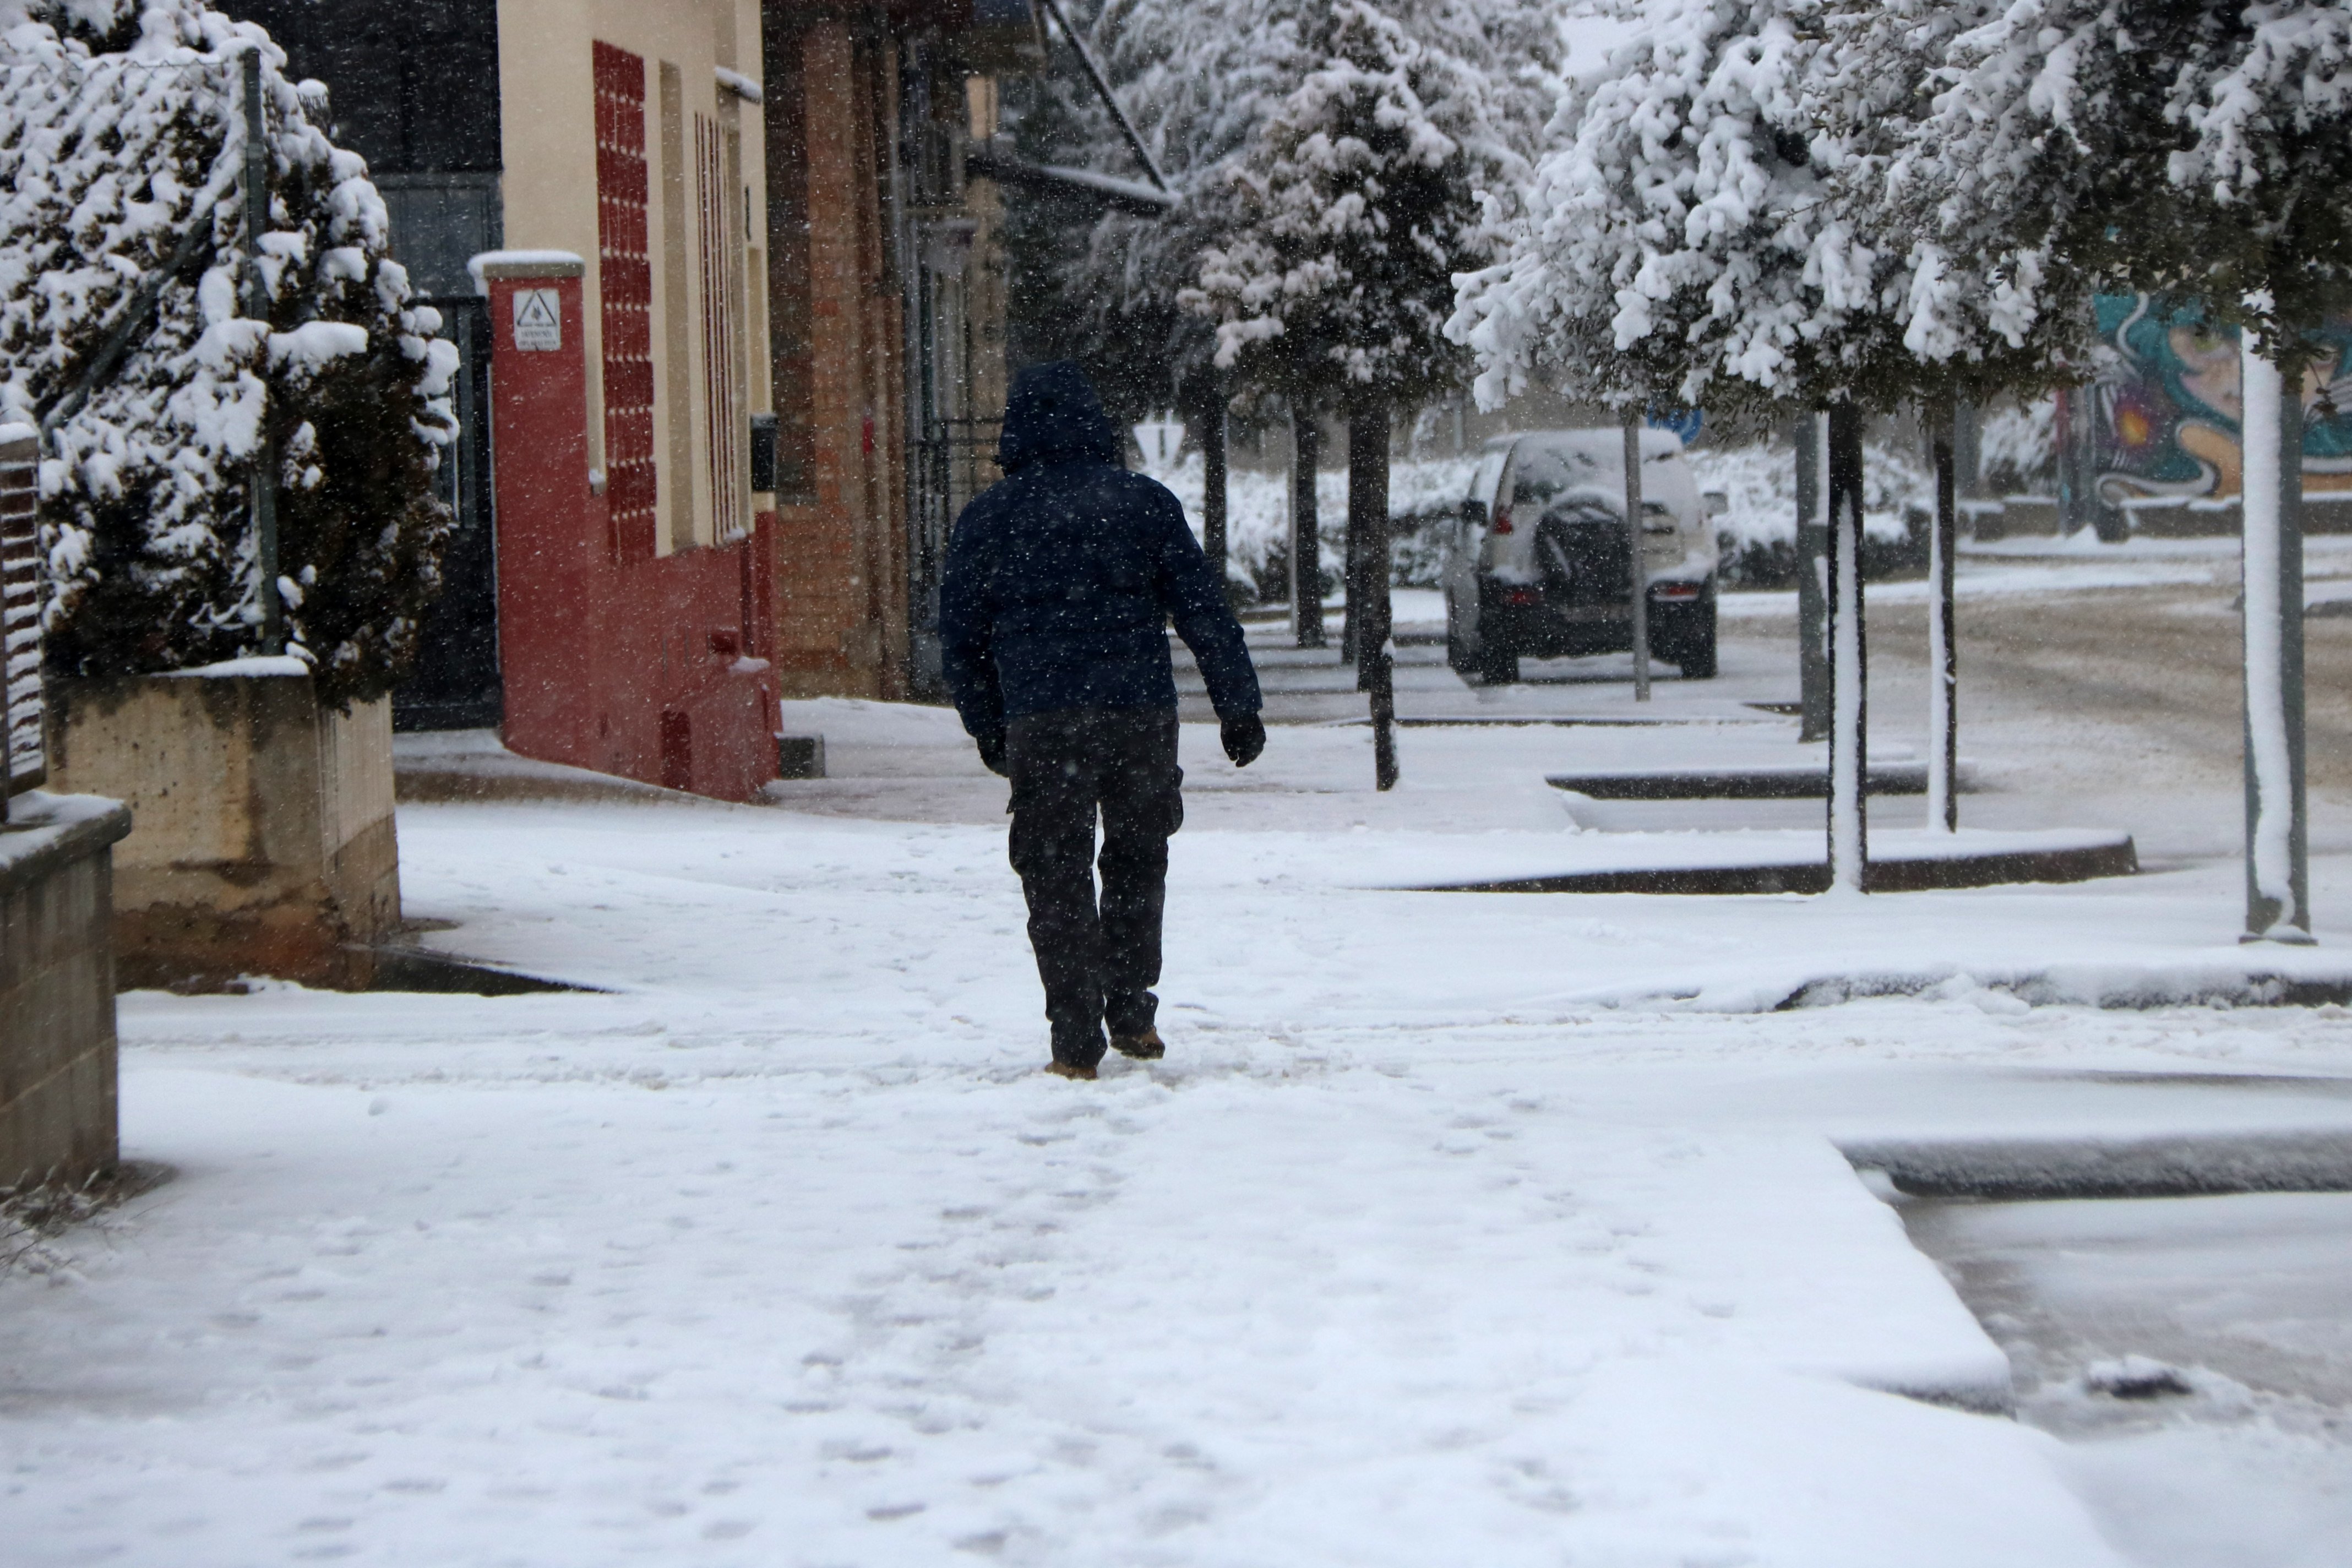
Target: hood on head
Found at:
1052, 411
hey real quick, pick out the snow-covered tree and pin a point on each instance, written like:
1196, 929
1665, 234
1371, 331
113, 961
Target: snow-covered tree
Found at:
1196, 78
1388, 169
2164, 146
2200, 151
121, 147
1693, 237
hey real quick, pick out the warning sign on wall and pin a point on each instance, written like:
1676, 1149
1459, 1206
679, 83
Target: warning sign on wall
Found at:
538, 320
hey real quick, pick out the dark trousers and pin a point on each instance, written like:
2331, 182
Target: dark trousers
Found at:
1098, 961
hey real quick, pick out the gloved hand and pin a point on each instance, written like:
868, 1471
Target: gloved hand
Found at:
992, 754
1245, 738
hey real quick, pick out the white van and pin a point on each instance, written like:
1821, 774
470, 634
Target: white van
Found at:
1537, 564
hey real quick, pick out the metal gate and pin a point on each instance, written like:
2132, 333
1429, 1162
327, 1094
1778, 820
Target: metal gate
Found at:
955, 459
455, 684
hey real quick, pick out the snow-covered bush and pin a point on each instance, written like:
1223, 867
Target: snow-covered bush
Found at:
1422, 497
2017, 447
121, 134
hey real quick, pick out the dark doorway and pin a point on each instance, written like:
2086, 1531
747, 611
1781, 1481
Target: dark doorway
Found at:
456, 682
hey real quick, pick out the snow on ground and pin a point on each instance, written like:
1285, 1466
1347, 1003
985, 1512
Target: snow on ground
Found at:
1454, 1227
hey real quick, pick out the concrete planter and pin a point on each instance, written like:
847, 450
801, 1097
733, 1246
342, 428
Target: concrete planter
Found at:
57, 989
264, 842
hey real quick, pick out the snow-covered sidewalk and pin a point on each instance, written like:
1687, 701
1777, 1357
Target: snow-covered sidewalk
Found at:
1456, 1228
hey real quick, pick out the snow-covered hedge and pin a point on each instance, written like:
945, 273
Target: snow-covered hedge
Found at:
121, 131
1258, 518
1757, 536
2018, 446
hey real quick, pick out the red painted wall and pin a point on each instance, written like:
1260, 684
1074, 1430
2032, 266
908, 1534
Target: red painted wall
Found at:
638, 665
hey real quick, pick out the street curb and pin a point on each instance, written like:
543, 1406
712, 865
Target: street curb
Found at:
1906, 875
1796, 781
2176, 1166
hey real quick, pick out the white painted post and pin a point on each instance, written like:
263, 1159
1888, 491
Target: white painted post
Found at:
2277, 873
1849, 837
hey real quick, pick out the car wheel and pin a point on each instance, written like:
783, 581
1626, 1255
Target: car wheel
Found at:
1497, 665
1695, 655
1458, 656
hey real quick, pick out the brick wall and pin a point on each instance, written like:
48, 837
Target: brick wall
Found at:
840, 548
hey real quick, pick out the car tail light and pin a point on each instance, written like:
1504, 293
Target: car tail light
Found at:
1675, 592
1502, 520
1523, 597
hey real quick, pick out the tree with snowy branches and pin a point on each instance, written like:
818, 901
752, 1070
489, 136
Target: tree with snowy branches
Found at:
1384, 172
121, 222
1713, 227
1387, 170
1196, 79
2197, 152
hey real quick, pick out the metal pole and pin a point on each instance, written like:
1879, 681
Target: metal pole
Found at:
1943, 662
1812, 436
1638, 569
2278, 905
1306, 550
264, 475
1848, 827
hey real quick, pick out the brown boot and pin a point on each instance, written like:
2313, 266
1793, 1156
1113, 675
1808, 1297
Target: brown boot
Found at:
1144, 1048
1069, 1070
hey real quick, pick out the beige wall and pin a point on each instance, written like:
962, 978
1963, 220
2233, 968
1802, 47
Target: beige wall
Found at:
548, 115
263, 837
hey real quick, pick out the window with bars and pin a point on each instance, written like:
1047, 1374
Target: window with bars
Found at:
717, 157
625, 288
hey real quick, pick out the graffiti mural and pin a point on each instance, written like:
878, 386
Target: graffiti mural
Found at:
2169, 407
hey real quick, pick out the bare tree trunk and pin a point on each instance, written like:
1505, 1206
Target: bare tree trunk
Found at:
1306, 548
1368, 597
1943, 655
1637, 568
1213, 542
1811, 437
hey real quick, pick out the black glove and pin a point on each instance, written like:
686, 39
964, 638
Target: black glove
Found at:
991, 755
1245, 738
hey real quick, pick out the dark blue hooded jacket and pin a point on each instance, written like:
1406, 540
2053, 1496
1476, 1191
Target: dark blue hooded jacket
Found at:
1061, 577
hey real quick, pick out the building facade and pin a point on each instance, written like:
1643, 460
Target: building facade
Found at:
720, 258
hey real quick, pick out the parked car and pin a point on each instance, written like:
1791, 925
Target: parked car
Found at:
1539, 564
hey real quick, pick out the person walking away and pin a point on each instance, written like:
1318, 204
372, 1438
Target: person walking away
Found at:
1061, 579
